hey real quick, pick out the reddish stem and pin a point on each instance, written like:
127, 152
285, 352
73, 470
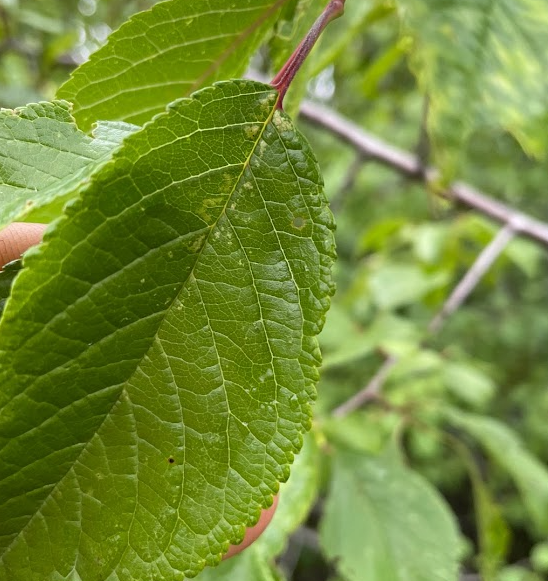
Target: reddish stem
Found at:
283, 79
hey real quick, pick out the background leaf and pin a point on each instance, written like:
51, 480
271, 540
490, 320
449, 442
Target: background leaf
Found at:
169, 322
247, 565
505, 447
165, 53
45, 157
496, 77
386, 523
7, 276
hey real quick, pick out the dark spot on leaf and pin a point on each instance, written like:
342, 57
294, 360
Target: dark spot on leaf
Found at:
171, 460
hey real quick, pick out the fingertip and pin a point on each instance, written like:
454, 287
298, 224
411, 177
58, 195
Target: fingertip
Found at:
18, 237
253, 533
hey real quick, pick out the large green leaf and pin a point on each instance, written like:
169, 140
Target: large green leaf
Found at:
45, 157
165, 53
504, 445
158, 353
482, 62
383, 522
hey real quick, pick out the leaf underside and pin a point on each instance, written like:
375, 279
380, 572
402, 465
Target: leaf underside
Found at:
158, 353
183, 46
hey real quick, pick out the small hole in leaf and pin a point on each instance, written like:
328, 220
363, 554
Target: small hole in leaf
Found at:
298, 222
171, 460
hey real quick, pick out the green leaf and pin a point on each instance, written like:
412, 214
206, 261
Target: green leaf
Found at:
247, 566
384, 522
296, 498
396, 285
158, 353
468, 383
493, 533
505, 447
481, 62
526, 255
45, 157
539, 557
295, 20
358, 16
165, 53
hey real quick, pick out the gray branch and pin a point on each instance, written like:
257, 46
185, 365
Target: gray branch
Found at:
408, 164
475, 273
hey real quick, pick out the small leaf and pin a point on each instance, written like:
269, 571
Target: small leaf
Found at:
248, 566
384, 522
45, 157
158, 353
165, 53
505, 447
468, 383
493, 533
396, 285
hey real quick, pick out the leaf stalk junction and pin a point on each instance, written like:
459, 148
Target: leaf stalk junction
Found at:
283, 79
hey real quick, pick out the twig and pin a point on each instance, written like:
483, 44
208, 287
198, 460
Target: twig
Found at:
409, 165
470, 280
514, 221
283, 79
370, 391
461, 292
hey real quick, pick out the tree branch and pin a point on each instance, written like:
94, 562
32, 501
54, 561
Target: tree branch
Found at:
472, 277
409, 165
370, 391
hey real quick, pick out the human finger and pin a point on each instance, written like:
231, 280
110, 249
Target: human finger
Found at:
253, 533
18, 237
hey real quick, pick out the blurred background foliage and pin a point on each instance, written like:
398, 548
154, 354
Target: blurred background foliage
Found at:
461, 423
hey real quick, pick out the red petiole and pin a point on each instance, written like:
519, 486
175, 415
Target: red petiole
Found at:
287, 73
